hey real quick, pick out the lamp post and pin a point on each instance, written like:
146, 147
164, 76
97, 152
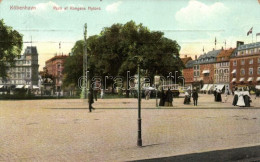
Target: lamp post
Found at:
139, 139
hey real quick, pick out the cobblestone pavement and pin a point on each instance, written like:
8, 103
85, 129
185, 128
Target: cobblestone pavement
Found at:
64, 130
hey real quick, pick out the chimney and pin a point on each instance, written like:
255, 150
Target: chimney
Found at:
222, 48
196, 57
213, 49
185, 56
239, 43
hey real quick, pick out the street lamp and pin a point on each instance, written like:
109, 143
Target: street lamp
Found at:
139, 120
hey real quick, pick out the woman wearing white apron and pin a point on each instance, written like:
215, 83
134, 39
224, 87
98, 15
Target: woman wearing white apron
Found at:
240, 101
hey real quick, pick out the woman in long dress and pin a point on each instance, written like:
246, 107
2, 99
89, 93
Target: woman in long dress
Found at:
162, 99
235, 98
246, 98
187, 98
240, 101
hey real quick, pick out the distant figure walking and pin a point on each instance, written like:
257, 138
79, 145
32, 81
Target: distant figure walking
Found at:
169, 98
162, 99
147, 94
90, 100
195, 97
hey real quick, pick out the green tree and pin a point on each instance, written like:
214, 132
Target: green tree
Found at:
10, 47
113, 51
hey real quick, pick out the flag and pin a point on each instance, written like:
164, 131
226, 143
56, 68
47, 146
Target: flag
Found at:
215, 40
203, 49
258, 34
250, 31
59, 45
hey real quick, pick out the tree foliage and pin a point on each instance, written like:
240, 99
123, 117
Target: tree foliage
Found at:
113, 52
10, 47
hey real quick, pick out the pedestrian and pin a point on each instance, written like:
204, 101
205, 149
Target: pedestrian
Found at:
147, 94
169, 98
240, 101
247, 98
162, 98
90, 100
235, 97
219, 98
195, 97
187, 98
102, 93
215, 94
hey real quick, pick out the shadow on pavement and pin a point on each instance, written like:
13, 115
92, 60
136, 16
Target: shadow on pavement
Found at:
237, 154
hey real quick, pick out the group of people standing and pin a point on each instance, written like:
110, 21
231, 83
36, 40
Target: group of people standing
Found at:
241, 98
188, 94
166, 98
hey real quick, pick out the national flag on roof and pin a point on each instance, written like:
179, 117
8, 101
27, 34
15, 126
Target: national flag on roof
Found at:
250, 31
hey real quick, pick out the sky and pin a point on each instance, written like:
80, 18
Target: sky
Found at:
194, 24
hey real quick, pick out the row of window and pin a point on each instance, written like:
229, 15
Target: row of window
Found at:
249, 51
221, 79
20, 69
21, 75
250, 71
221, 71
242, 61
23, 62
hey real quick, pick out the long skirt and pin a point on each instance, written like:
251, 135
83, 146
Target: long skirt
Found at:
247, 100
235, 100
240, 101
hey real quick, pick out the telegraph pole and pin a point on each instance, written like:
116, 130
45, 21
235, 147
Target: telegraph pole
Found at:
85, 67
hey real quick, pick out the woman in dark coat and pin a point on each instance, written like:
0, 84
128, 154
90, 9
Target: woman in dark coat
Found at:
195, 97
162, 99
247, 98
235, 98
169, 98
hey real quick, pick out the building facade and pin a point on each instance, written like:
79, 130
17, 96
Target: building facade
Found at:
55, 67
25, 72
245, 66
206, 64
222, 70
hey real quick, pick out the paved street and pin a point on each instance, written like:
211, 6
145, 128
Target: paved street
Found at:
64, 130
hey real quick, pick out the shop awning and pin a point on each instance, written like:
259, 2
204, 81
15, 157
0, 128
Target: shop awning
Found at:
220, 86
204, 88
19, 86
242, 79
234, 71
257, 86
1, 86
210, 87
234, 80
27, 86
205, 72
258, 79
250, 79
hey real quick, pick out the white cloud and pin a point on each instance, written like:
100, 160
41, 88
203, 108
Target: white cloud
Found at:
198, 14
113, 7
